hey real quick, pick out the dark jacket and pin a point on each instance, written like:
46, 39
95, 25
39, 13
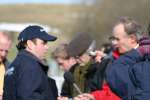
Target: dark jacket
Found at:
78, 73
26, 80
97, 74
140, 76
53, 87
117, 75
67, 88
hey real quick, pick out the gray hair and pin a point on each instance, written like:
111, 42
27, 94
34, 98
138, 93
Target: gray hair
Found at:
131, 26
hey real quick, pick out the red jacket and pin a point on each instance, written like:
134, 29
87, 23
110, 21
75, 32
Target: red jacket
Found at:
105, 94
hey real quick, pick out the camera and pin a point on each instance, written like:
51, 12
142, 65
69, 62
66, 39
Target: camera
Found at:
92, 53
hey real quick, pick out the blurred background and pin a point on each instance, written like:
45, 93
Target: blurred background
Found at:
65, 18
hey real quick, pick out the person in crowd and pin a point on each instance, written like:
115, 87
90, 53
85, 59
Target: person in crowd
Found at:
137, 61
61, 56
138, 71
99, 88
26, 78
5, 44
126, 32
87, 68
67, 56
66, 63
77, 60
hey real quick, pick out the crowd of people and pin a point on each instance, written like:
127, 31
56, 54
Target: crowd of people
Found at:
119, 70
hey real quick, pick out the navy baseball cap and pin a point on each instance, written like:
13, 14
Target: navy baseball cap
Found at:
35, 31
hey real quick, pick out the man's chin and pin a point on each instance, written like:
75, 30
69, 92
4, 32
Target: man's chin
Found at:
1, 60
122, 51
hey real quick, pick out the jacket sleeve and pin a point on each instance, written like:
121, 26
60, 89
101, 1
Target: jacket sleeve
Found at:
139, 74
29, 82
97, 80
67, 90
53, 86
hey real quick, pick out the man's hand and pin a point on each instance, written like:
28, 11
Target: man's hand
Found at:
84, 96
62, 98
99, 55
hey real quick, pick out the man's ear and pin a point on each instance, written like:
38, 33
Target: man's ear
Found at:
133, 38
30, 44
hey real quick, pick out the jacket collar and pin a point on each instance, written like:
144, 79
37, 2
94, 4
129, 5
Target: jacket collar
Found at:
27, 53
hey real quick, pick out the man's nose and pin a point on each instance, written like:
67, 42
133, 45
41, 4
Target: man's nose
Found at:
47, 46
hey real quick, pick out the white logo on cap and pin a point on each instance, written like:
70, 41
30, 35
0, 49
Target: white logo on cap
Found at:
41, 30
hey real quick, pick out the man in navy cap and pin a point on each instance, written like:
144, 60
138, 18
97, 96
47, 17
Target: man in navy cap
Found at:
26, 78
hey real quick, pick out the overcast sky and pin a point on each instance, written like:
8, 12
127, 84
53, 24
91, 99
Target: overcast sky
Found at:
38, 1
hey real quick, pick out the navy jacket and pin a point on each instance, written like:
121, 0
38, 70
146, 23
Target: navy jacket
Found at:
117, 75
140, 76
26, 80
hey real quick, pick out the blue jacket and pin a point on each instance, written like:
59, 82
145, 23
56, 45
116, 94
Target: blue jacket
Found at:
26, 80
140, 76
117, 75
